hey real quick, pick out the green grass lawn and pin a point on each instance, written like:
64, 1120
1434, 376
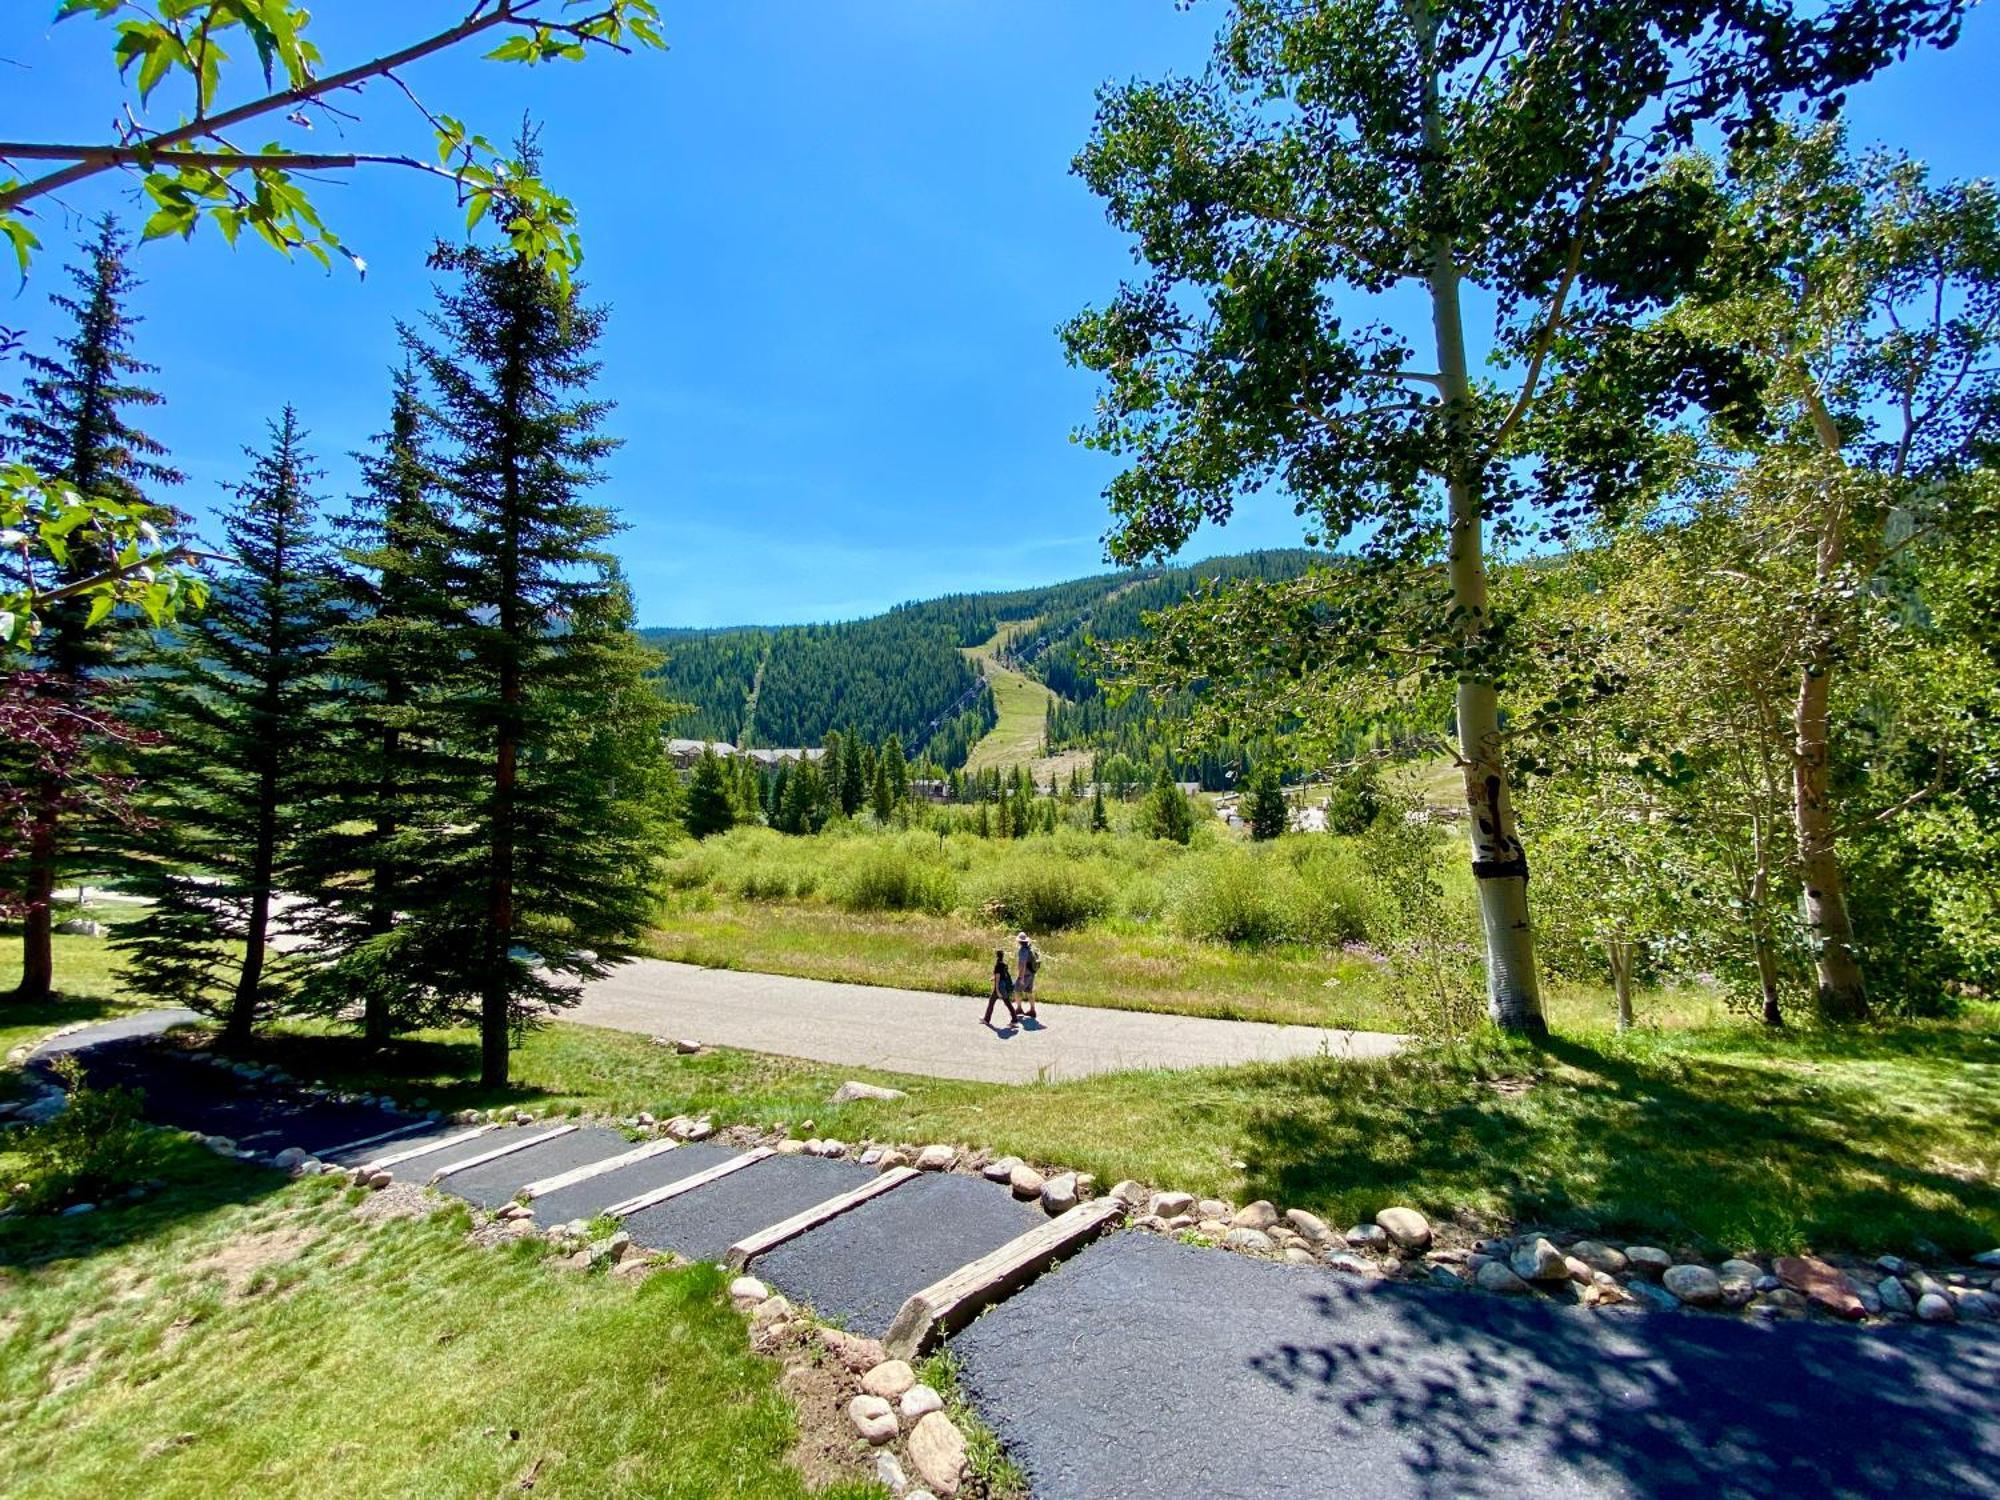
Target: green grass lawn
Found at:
1718, 1136
237, 1334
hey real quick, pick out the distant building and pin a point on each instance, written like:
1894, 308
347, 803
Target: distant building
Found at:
684, 753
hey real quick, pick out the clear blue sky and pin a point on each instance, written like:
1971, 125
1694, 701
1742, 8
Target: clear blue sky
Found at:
837, 238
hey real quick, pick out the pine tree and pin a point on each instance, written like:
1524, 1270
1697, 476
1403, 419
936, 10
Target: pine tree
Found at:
1167, 814
882, 795
1268, 817
898, 765
853, 783
538, 892
72, 425
391, 780
1100, 822
709, 807
240, 708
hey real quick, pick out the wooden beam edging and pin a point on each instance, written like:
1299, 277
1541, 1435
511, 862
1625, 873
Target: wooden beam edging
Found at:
372, 1140
595, 1169
947, 1305
459, 1138
673, 1190
499, 1151
747, 1249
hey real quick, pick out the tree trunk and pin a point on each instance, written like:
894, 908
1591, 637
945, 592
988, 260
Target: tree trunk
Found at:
376, 1023
1619, 952
493, 1039
1499, 863
242, 1017
38, 964
1842, 994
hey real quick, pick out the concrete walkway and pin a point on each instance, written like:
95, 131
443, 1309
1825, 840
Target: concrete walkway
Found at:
916, 1031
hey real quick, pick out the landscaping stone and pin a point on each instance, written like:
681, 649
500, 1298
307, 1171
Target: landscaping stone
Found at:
1979, 1307
848, 1092
891, 1159
1213, 1208
1820, 1284
1214, 1229
1170, 1205
889, 1474
1580, 1271
1538, 1260
1653, 1295
1248, 1239
890, 1379
1893, 1265
1695, 1285
747, 1289
770, 1310
1131, 1194
937, 1449
874, 1419
1648, 1260
937, 1159
1368, 1237
918, 1402
1447, 1278
1739, 1280
1895, 1296
1059, 1194
1298, 1255
1936, 1307
1354, 1265
1001, 1170
857, 1354
1026, 1182
1312, 1226
1496, 1276
791, 1148
1987, 1258
1259, 1215
1408, 1228
687, 1046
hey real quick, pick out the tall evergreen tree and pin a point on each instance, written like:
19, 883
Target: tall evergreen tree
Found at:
392, 779
1267, 806
73, 424
1100, 821
534, 898
710, 808
240, 708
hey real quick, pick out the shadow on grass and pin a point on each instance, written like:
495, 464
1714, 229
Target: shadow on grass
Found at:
1868, 1142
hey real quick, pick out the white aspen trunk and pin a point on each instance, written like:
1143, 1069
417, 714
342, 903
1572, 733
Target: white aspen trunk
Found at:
1499, 863
1620, 952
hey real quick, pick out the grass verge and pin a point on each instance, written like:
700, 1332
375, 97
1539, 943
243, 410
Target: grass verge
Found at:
1720, 1137
237, 1334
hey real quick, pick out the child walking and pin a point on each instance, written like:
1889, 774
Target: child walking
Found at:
1002, 992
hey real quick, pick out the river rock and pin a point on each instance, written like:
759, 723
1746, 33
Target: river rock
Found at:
1935, 1307
937, 1159
1258, 1215
1695, 1285
1001, 1170
849, 1091
1026, 1182
918, 1402
1253, 1240
1312, 1226
889, 1379
1497, 1276
856, 1354
937, 1448
1059, 1194
1408, 1228
1648, 1260
1599, 1256
1367, 1237
1538, 1260
1896, 1297
1170, 1205
747, 1289
874, 1419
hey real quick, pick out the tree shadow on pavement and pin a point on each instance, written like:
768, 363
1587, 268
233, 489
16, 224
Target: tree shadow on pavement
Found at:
1471, 1395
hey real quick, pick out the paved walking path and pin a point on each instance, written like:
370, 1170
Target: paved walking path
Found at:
1142, 1367
917, 1031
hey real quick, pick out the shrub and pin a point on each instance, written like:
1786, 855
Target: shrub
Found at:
1354, 801
1231, 896
96, 1147
1045, 893
891, 877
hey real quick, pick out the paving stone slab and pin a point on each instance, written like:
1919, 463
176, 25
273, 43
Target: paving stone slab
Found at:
588, 1199
703, 1224
498, 1181
1144, 1367
860, 1267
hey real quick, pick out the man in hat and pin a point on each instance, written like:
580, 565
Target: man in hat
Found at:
1026, 962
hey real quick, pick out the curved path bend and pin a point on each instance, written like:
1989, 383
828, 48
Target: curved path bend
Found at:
939, 1036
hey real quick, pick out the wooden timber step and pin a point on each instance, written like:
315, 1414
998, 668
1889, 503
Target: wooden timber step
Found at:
751, 1246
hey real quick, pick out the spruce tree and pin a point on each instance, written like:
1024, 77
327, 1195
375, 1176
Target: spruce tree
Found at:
1167, 814
709, 807
73, 424
239, 705
1268, 817
390, 780
539, 889
898, 766
1100, 822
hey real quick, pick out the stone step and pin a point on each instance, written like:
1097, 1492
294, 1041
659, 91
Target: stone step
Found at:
703, 1223
589, 1198
860, 1268
495, 1182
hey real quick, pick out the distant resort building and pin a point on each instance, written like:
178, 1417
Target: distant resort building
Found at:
684, 753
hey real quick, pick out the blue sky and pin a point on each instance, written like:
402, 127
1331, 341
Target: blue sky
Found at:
836, 237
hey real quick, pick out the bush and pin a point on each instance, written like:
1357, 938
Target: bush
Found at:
1231, 896
891, 877
95, 1148
1043, 892
1332, 899
1354, 801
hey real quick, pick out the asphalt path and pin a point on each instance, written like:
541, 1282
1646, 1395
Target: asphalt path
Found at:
1145, 1367
861, 1266
703, 1224
938, 1036
498, 1181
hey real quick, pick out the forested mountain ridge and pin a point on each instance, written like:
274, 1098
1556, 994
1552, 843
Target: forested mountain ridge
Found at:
904, 673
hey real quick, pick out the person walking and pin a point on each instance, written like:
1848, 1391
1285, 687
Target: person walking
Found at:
1002, 992
1026, 963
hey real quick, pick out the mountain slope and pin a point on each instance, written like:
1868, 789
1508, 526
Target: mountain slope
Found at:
918, 671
